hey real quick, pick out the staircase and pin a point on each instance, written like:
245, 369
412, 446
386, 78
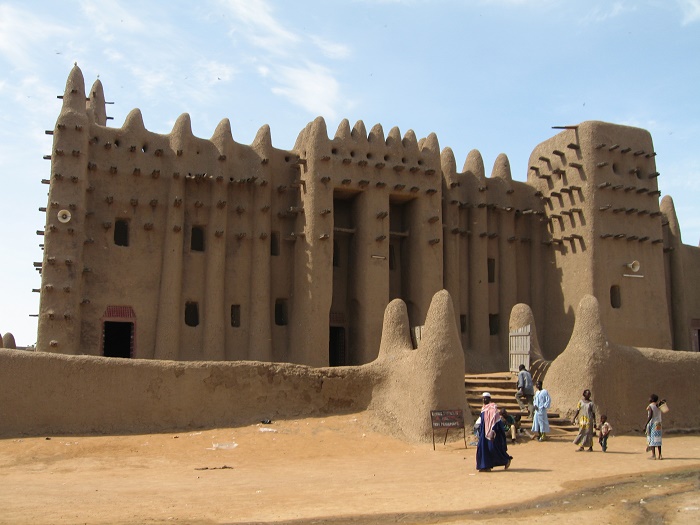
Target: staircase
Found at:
502, 387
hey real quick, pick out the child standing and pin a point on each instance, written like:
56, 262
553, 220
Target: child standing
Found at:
605, 430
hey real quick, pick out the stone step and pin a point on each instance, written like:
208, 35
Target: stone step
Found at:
501, 386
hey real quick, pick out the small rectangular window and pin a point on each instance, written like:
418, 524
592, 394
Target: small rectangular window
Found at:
336, 254
281, 314
493, 324
463, 323
615, 299
191, 313
121, 232
235, 315
492, 270
275, 243
197, 239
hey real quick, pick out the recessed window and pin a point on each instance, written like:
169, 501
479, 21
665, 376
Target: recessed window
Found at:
281, 313
493, 324
121, 232
197, 239
615, 299
235, 315
463, 323
191, 313
492, 270
275, 243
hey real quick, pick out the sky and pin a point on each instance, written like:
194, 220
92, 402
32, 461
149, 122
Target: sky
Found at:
491, 75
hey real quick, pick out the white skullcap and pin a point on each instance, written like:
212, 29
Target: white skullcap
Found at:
486, 394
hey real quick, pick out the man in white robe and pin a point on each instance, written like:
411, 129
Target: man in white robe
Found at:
542, 402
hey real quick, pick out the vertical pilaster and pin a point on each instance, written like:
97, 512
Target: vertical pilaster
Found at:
425, 256
450, 220
313, 253
538, 256
214, 314
260, 346
680, 325
478, 282
369, 275
169, 323
507, 276
464, 305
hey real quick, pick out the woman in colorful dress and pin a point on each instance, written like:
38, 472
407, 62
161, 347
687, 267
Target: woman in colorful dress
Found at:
653, 427
585, 411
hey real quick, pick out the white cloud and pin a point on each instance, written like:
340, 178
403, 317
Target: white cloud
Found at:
261, 28
304, 82
22, 35
331, 49
312, 87
528, 3
602, 14
109, 17
690, 9
210, 72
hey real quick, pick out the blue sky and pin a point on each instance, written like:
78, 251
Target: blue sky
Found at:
492, 75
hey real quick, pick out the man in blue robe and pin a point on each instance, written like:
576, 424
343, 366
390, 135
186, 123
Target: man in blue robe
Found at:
492, 448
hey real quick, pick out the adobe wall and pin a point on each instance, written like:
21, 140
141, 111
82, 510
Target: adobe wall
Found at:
620, 377
44, 393
241, 252
492, 253
163, 187
691, 271
599, 185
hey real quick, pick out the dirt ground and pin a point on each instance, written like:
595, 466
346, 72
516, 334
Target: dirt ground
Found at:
337, 470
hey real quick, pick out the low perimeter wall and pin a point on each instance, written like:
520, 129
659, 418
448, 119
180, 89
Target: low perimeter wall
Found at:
51, 393
45, 393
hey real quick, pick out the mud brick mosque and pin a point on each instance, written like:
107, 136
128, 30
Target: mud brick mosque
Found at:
170, 246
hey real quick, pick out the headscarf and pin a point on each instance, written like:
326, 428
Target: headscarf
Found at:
489, 417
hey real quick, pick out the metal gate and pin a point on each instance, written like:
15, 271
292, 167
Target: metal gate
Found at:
519, 348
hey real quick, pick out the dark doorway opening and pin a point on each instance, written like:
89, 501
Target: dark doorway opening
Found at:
118, 339
337, 356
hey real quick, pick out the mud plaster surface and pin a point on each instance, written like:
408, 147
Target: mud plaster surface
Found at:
337, 470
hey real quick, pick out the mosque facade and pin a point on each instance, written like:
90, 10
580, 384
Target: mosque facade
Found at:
170, 246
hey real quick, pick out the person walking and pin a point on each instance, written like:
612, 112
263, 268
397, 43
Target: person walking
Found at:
540, 421
585, 411
653, 429
525, 393
605, 430
492, 448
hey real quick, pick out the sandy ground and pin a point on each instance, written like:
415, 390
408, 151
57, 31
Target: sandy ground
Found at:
337, 470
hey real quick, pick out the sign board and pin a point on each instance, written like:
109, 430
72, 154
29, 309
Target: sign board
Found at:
448, 419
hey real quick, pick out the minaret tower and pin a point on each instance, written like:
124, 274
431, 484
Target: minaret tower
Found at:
63, 269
